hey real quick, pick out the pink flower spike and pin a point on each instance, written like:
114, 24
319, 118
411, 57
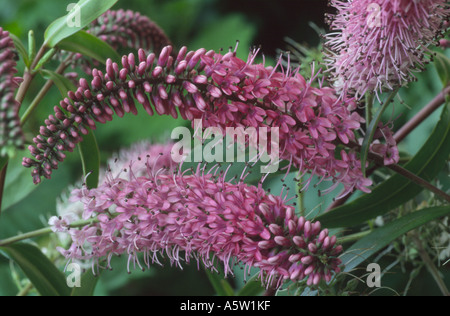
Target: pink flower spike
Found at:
198, 213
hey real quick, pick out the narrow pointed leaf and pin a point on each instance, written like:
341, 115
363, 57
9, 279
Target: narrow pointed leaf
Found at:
42, 273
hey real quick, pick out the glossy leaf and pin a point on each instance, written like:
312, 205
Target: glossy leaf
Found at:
90, 158
381, 237
220, 285
17, 183
397, 190
42, 273
81, 15
90, 46
442, 64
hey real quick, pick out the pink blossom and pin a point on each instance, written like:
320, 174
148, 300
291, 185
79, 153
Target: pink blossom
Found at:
226, 99
198, 215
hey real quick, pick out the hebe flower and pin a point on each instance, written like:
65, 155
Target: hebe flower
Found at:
377, 45
124, 29
10, 130
221, 90
197, 214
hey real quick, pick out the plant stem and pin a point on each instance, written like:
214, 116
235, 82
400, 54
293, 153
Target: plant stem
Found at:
430, 265
20, 96
42, 232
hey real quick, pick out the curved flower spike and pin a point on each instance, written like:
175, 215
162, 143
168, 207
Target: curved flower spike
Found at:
11, 134
222, 91
377, 45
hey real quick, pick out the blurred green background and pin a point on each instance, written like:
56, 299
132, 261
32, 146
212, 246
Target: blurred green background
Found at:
212, 24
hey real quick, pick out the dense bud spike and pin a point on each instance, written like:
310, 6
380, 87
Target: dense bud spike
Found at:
143, 209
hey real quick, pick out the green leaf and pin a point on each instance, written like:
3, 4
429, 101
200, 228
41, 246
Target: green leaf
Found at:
21, 50
90, 159
253, 287
397, 190
88, 283
90, 46
442, 64
77, 19
63, 84
8, 286
222, 287
381, 237
370, 133
17, 182
46, 278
